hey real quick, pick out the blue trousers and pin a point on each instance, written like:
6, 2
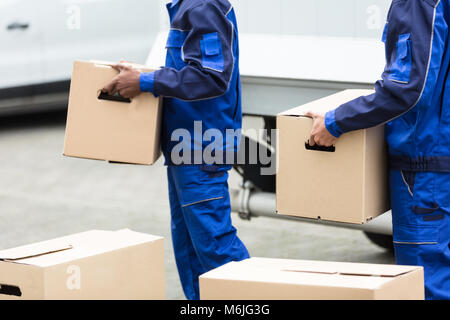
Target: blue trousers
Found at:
421, 225
202, 232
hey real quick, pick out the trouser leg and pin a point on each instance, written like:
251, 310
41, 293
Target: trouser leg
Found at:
421, 230
188, 265
205, 205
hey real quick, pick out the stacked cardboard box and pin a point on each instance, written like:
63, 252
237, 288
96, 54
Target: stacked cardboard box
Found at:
276, 279
91, 265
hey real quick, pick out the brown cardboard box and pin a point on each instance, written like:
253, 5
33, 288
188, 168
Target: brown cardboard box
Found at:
127, 132
103, 265
275, 279
347, 185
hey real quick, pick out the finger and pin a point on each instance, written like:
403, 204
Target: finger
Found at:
311, 141
114, 88
119, 67
310, 114
116, 66
108, 89
322, 142
331, 143
122, 89
125, 94
317, 141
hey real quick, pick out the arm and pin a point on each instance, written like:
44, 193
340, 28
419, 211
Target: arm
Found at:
208, 52
416, 37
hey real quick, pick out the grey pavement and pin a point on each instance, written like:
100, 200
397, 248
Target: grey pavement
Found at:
44, 195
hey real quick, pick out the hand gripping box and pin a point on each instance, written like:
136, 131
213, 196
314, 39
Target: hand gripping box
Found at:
100, 265
110, 128
276, 279
345, 183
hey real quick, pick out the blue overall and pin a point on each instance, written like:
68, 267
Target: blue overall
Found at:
413, 99
201, 88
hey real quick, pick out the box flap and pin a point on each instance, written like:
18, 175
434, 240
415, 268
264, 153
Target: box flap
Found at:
73, 247
317, 273
374, 272
33, 250
327, 103
343, 268
130, 64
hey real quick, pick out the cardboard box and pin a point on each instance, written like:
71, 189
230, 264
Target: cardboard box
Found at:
98, 127
275, 279
106, 265
348, 183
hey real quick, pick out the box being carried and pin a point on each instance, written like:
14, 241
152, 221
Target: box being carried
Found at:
106, 127
276, 279
97, 265
345, 183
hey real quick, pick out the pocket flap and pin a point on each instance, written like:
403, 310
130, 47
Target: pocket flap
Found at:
176, 39
400, 69
211, 42
403, 46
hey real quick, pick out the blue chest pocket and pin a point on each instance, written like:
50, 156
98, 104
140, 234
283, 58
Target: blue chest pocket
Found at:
400, 70
212, 55
174, 46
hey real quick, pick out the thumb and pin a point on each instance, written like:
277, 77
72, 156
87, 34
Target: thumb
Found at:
311, 114
119, 67
110, 87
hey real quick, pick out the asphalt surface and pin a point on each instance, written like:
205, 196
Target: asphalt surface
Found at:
44, 195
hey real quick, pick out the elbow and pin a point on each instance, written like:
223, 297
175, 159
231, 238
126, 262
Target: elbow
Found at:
216, 84
208, 90
222, 87
220, 84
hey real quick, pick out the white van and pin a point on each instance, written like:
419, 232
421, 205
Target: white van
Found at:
39, 40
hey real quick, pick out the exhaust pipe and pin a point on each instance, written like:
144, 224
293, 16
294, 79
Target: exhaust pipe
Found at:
249, 203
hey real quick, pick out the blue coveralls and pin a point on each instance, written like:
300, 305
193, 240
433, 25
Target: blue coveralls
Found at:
200, 85
413, 99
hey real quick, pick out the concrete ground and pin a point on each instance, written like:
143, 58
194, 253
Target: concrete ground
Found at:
45, 195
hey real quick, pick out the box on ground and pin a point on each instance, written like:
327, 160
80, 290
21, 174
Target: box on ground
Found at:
101, 265
275, 279
346, 183
110, 128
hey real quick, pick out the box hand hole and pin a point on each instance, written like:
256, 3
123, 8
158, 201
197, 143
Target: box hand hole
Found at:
319, 148
9, 290
116, 97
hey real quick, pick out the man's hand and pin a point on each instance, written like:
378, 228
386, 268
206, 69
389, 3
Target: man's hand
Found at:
319, 134
126, 83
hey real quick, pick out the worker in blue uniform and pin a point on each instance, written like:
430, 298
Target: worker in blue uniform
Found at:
201, 88
413, 100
